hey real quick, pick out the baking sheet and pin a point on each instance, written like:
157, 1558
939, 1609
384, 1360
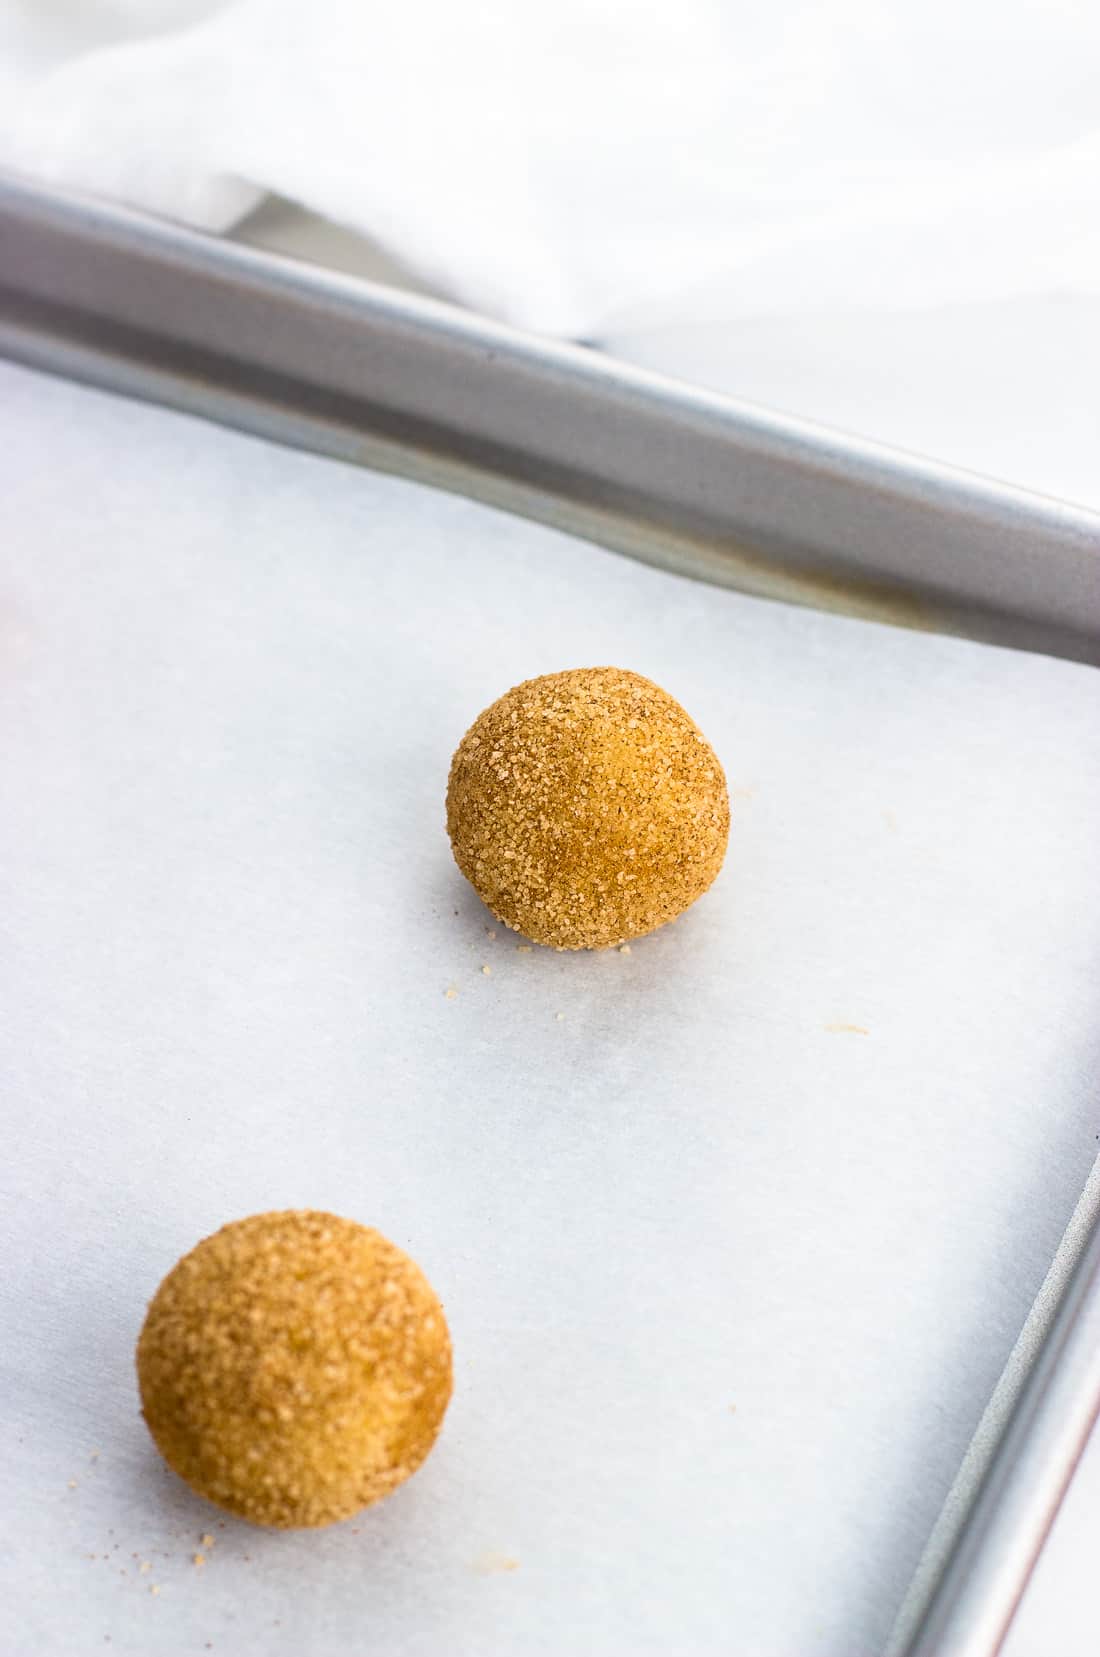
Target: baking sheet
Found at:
733, 1250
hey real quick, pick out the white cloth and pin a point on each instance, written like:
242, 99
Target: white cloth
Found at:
577, 167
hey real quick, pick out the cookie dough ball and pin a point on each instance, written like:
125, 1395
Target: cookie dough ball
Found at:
587, 808
294, 1368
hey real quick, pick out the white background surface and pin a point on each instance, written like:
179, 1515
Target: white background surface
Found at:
233, 680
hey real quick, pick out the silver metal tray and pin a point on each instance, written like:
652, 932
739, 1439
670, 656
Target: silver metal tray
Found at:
680, 478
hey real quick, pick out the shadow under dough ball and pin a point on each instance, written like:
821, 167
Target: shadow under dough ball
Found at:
294, 1367
587, 808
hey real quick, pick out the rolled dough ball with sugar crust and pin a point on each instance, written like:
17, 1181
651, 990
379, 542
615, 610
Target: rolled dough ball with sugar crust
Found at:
587, 808
294, 1367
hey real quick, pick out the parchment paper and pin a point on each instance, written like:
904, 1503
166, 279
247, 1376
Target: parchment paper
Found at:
733, 1232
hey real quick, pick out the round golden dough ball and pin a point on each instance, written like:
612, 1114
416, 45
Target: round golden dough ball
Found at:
587, 808
294, 1367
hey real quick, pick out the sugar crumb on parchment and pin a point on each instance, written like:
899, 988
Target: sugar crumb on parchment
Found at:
489, 1564
840, 1028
